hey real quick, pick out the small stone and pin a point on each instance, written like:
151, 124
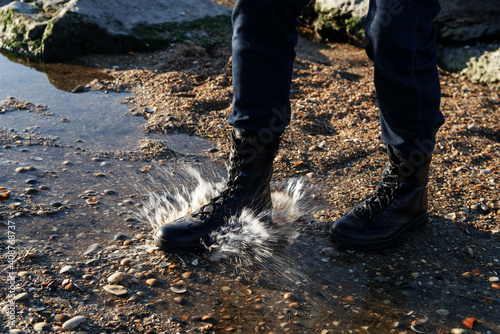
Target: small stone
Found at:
117, 277
66, 269
21, 296
451, 216
187, 274
117, 290
126, 261
442, 311
467, 275
31, 191
458, 331
23, 273
20, 170
109, 192
74, 322
99, 175
225, 289
485, 171
92, 249
180, 300
16, 331
140, 236
31, 181
288, 296
349, 299
330, 252
56, 204
493, 279
152, 281
120, 236
61, 317
66, 162
41, 326
473, 127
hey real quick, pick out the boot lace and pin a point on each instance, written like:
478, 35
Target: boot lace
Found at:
219, 200
384, 194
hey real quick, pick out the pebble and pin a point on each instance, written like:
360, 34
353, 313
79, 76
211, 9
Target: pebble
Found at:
117, 290
330, 251
349, 299
288, 296
120, 236
31, 181
126, 261
109, 192
61, 317
458, 331
187, 274
66, 269
41, 326
493, 279
66, 162
74, 322
31, 190
117, 277
473, 127
56, 204
180, 300
21, 296
92, 249
20, 169
16, 331
151, 281
442, 311
23, 273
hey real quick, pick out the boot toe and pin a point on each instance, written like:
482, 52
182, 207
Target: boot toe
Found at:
180, 236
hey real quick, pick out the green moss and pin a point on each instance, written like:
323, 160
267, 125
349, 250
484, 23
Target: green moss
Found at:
206, 32
6, 17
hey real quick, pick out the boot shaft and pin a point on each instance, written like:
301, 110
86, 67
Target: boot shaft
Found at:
412, 174
250, 169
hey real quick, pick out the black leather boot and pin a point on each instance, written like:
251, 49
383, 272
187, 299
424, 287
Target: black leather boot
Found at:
398, 206
248, 186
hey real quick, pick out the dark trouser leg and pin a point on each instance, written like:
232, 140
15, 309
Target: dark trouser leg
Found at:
400, 39
264, 38
263, 52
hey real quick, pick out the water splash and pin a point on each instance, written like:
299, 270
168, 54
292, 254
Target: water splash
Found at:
247, 239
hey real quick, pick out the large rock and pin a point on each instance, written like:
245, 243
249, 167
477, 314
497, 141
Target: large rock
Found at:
464, 20
65, 28
459, 20
485, 69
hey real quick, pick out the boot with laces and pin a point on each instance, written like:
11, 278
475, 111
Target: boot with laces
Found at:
248, 186
398, 206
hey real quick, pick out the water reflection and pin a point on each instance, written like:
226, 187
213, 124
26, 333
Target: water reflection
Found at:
65, 77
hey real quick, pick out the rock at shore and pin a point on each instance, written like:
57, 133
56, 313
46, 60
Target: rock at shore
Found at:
53, 29
458, 21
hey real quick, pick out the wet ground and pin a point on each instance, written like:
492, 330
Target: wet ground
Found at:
79, 171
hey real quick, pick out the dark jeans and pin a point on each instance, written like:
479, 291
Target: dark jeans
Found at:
400, 39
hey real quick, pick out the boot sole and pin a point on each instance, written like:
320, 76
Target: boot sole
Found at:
171, 246
417, 223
